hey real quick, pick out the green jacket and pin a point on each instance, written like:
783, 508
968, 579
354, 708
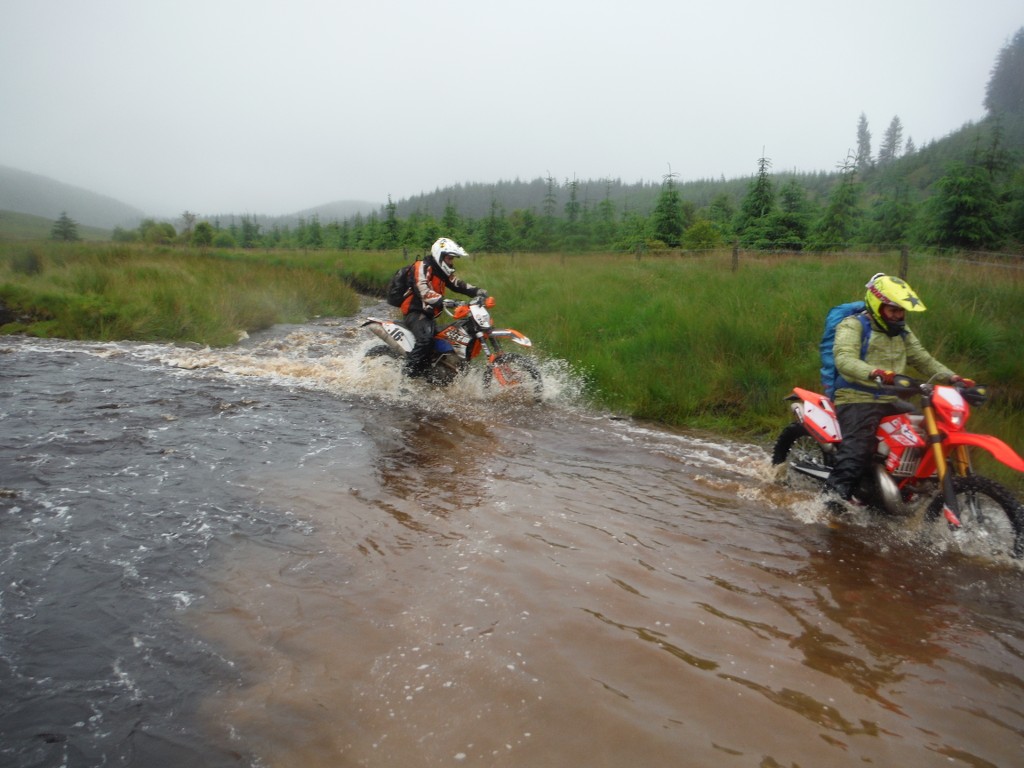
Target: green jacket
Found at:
890, 353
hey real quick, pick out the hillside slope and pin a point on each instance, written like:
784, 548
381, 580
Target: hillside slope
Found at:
23, 192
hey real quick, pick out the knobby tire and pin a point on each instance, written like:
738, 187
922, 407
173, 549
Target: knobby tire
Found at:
972, 492
796, 444
518, 370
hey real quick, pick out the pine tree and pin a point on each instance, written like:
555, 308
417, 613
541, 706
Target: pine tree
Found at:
964, 209
756, 209
891, 143
789, 223
891, 216
863, 144
65, 228
494, 234
451, 222
390, 224
1005, 90
839, 222
667, 219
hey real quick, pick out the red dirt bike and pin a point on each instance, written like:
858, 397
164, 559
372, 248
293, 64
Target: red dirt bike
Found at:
920, 456
457, 344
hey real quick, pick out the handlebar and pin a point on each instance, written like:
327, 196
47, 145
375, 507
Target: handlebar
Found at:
479, 301
908, 385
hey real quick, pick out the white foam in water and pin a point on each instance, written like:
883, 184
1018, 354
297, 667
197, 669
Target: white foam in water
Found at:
334, 359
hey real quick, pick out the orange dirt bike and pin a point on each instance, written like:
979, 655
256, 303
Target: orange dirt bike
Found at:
919, 457
457, 344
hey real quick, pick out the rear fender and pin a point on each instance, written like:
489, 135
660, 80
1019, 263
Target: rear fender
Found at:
396, 336
817, 415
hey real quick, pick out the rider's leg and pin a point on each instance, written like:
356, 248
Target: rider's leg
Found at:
858, 423
423, 329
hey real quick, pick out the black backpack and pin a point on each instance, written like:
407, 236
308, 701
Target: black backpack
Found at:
399, 286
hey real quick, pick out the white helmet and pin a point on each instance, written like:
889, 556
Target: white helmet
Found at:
442, 247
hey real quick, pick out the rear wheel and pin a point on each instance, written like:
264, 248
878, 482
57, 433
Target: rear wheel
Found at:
991, 518
515, 372
797, 448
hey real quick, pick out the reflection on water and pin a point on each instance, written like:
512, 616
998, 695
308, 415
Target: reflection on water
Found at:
280, 555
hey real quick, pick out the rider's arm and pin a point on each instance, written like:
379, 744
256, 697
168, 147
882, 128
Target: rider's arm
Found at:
421, 282
461, 286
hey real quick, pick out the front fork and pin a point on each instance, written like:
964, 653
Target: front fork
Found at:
958, 464
494, 353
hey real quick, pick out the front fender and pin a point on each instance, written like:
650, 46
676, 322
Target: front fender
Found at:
514, 335
1000, 450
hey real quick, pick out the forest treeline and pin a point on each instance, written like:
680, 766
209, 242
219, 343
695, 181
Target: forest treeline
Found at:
964, 192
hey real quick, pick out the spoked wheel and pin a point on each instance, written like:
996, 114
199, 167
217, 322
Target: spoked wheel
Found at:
800, 451
514, 372
991, 518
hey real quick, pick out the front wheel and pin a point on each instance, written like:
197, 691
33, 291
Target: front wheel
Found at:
991, 518
511, 372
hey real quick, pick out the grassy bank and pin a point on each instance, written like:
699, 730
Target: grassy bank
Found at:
111, 292
682, 340
688, 340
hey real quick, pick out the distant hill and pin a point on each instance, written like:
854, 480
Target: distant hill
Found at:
27, 193
35, 195
22, 192
25, 226
340, 210
919, 170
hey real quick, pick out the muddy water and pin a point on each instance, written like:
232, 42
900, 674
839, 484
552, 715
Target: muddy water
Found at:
284, 555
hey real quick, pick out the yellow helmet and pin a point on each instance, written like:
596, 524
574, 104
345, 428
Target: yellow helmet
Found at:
885, 289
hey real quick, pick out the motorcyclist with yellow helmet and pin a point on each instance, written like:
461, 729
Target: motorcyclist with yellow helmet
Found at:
860, 403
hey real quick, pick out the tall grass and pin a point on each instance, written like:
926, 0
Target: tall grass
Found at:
87, 291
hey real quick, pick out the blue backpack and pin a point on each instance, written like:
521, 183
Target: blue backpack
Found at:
830, 378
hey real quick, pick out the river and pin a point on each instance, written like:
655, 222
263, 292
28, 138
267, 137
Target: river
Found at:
281, 554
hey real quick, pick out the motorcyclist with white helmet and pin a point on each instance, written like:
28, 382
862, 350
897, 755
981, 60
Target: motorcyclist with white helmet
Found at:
426, 299
860, 403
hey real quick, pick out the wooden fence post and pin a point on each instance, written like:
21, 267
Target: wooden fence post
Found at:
735, 256
904, 262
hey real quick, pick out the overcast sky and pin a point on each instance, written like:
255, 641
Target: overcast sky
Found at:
274, 106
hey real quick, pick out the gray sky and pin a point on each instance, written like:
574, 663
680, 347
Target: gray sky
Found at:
274, 106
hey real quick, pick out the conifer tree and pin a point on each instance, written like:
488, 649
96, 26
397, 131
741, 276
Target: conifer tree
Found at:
892, 142
1005, 90
65, 228
841, 217
863, 144
964, 210
756, 209
390, 224
667, 223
